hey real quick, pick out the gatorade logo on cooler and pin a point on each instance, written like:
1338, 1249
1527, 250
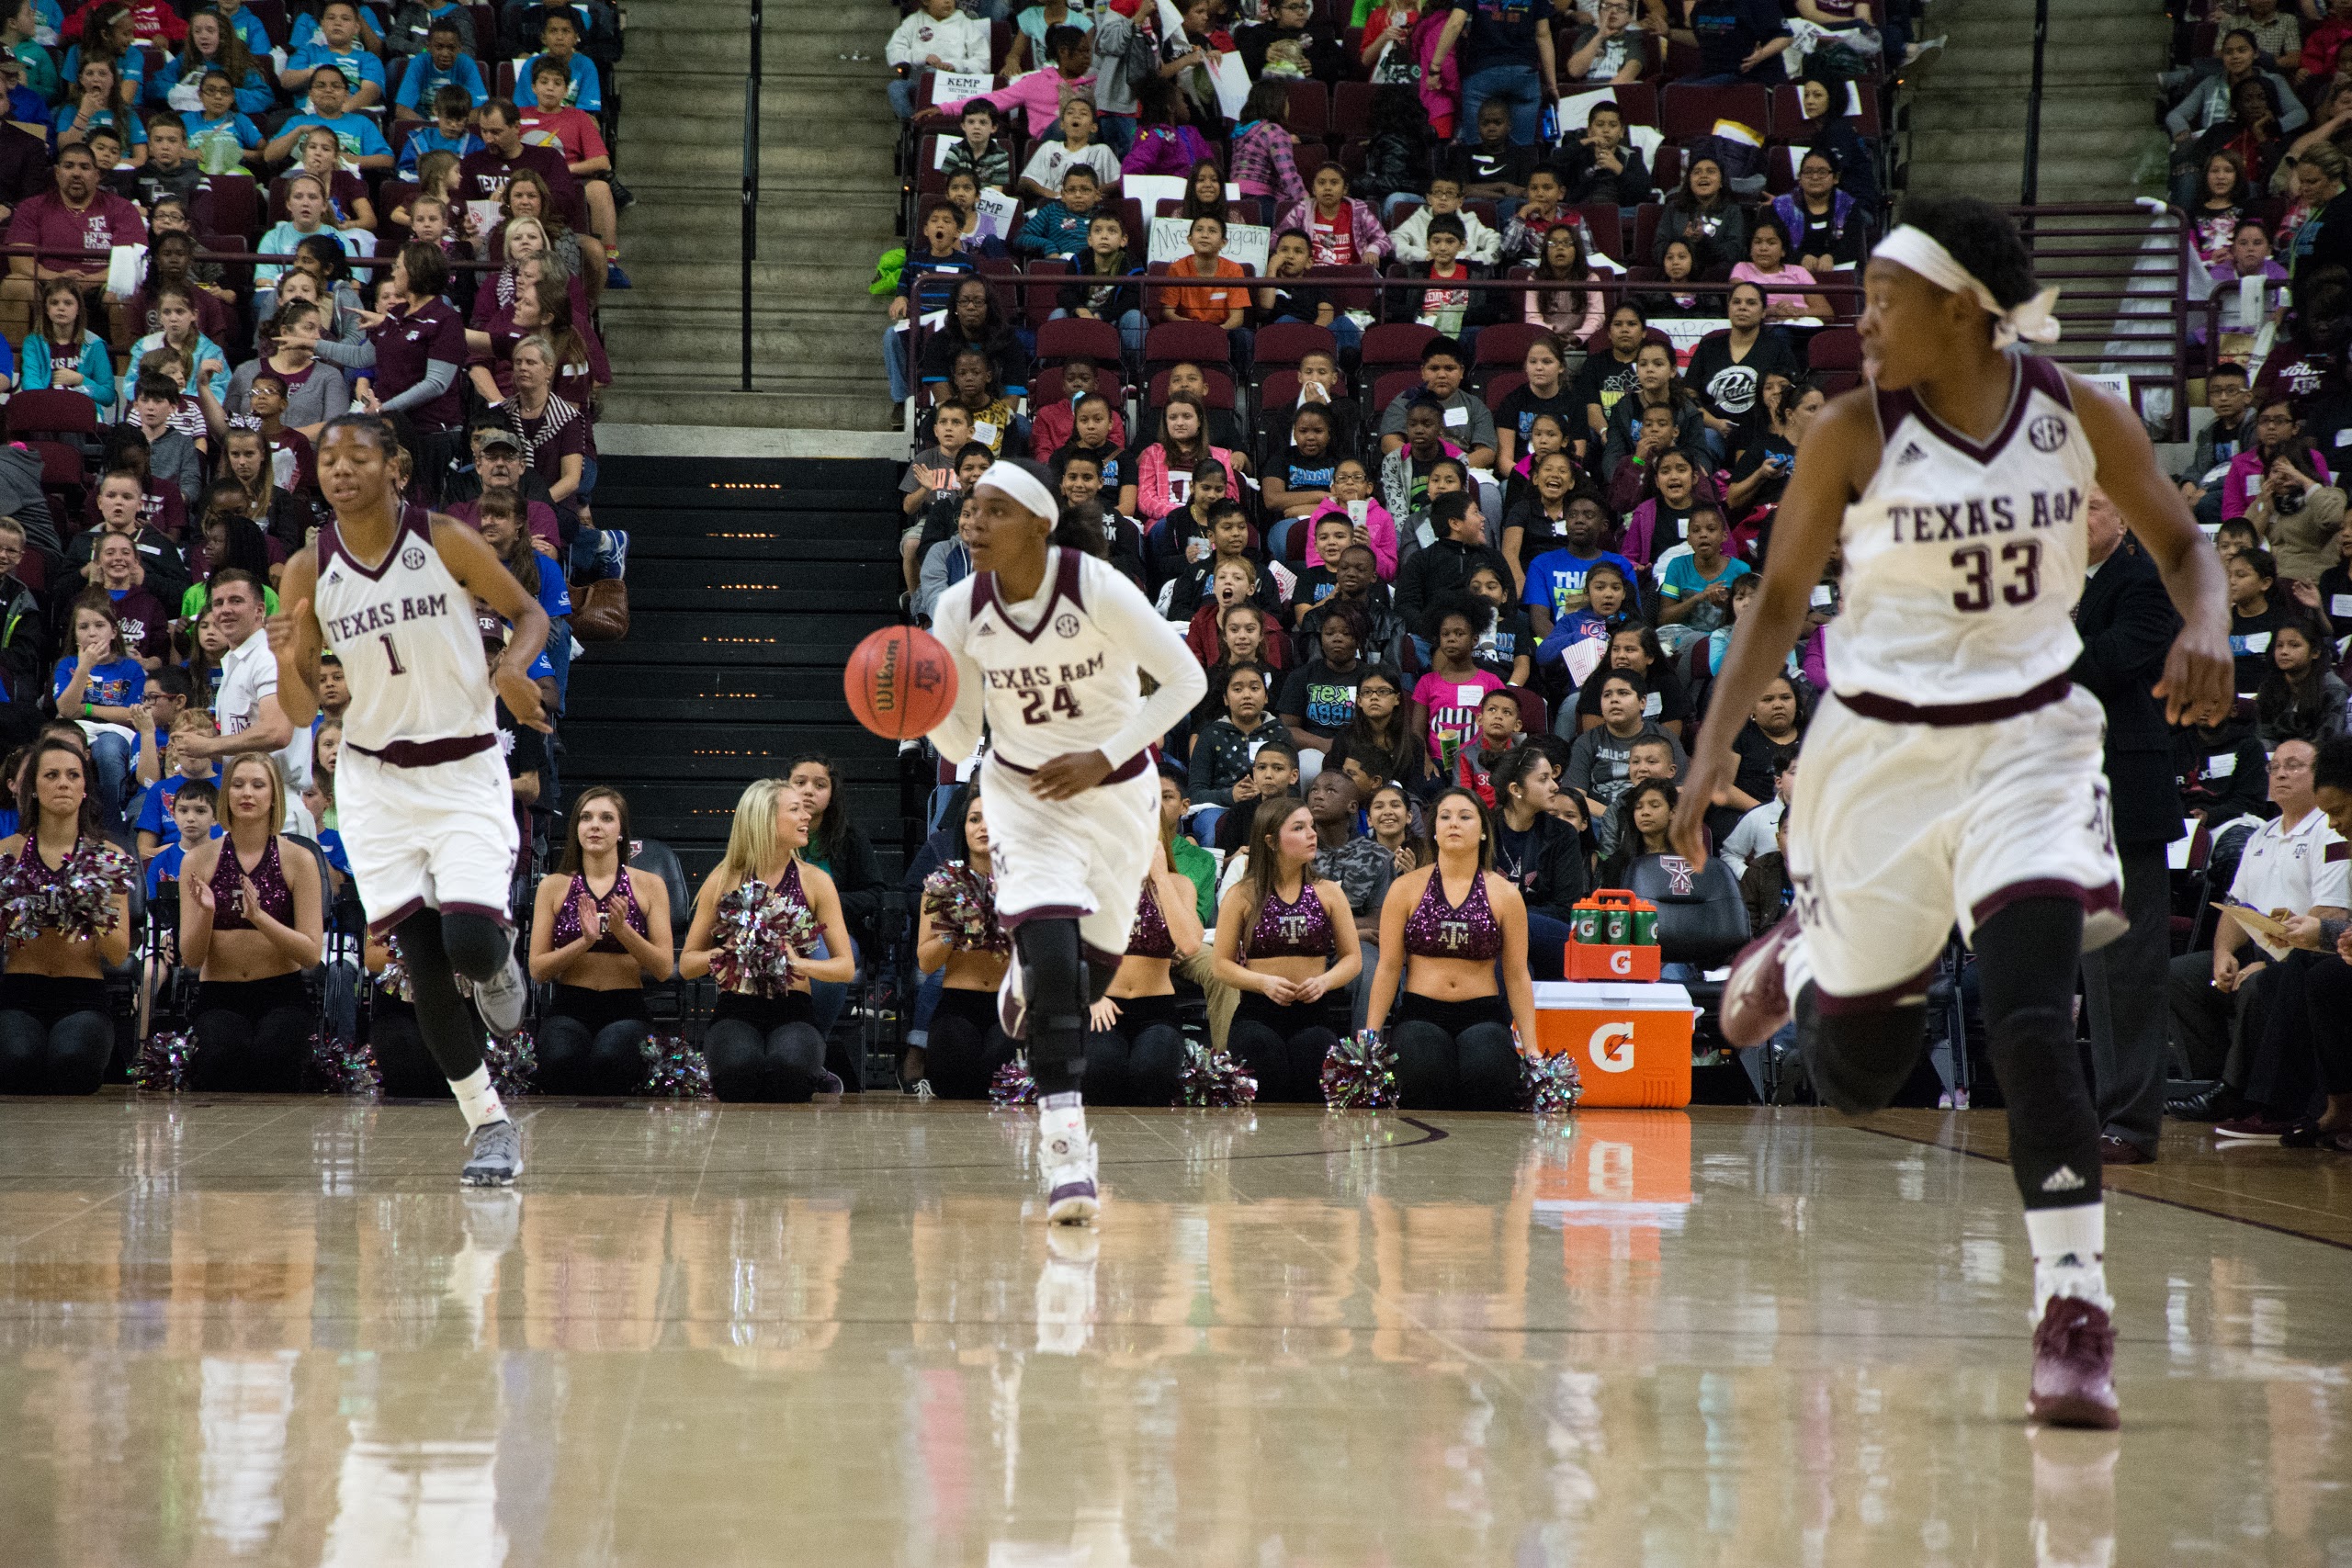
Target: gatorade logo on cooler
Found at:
1611, 1047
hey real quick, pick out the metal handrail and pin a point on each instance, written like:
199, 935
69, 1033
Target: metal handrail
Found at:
751, 179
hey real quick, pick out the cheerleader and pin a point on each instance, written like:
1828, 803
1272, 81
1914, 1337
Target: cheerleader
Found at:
597, 948
756, 922
1136, 1049
1442, 929
58, 882
251, 921
1288, 944
958, 930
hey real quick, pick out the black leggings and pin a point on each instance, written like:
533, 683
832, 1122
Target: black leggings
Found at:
56, 1034
1284, 1047
1137, 1060
251, 1036
408, 1070
2027, 954
438, 948
592, 1043
967, 1046
764, 1048
1454, 1055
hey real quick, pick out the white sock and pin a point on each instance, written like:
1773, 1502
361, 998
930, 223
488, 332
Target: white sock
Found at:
1062, 1118
2069, 1255
477, 1099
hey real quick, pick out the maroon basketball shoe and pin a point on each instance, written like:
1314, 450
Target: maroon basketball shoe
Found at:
1756, 994
2073, 1363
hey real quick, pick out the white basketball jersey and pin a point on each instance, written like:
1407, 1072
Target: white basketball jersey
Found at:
406, 632
1064, 676
1963, 562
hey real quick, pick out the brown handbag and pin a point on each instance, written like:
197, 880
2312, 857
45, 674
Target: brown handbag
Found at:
600, 611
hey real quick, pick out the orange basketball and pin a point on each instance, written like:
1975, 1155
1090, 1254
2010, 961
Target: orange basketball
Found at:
901, 682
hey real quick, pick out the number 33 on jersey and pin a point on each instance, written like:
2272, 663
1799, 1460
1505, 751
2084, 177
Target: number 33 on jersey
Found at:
1963, 561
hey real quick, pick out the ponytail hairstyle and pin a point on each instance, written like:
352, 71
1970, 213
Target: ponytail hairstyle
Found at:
1265, 860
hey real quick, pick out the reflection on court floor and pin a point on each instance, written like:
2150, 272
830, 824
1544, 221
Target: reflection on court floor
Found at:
272, 1332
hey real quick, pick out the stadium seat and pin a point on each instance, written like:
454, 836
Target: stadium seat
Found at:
1310, 108
1396, 342
1172, 343
1686, 111
1060, 340
1282, 344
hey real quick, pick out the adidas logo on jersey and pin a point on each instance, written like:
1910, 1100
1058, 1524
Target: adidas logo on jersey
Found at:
2063, 1179
988, 628
1912, 452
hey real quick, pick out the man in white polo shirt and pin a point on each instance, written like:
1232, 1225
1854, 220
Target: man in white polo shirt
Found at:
246, 701
2293, 863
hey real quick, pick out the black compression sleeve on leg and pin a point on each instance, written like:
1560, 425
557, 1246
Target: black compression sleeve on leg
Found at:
444, 1019
477, 945
1056, 986
2027, 956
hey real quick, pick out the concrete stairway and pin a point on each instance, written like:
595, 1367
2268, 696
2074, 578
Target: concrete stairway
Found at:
828, 201
2099, 71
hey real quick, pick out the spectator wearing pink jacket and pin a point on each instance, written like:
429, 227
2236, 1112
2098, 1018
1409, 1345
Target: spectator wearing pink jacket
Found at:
1164, 469
1165, 144
1377, 521
1040, 95
1263, 161
1339, 229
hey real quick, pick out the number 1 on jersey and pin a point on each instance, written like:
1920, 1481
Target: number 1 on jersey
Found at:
391, 654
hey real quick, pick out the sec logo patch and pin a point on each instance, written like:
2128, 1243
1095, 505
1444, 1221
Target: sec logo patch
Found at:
1065, 624
2047, 433
412, 557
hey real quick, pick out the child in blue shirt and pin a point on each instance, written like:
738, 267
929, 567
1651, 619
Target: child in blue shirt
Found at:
334, 40
220, 134
1559, 581
194, 813
559, 42
154, 819
363, 144
442, 64
447, 132
1608, 589
1694, 589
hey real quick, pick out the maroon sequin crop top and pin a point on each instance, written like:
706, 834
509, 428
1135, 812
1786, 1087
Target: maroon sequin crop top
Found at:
1302, 929
1150, 939
1439, 929
268, 879
566, 928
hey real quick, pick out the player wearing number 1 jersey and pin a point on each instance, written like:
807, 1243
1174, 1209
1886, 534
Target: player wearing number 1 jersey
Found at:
1954, 775
427, 809
1050, 642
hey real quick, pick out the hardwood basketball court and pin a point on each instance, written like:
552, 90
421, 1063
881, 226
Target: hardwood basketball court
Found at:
276, 1332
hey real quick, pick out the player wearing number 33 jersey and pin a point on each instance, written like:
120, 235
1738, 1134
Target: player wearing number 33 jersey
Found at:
426, 808
1963, 566
1057, 675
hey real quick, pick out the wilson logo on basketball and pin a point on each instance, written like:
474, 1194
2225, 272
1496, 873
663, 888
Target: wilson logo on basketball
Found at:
2047, 433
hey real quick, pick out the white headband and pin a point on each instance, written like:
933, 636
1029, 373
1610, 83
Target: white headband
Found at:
1021, 486
2034, 320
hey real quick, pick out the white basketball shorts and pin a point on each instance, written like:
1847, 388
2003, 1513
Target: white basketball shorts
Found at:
1081, 859
441, 837
1898, 830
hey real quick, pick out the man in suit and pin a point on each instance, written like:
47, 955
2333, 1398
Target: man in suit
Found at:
2127, 622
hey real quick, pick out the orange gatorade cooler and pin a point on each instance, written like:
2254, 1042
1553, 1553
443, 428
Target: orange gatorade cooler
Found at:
1631, 1042
1612, 936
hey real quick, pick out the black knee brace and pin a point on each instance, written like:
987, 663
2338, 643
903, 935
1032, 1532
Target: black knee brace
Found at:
2027, 956
1058, 988
1860, 1060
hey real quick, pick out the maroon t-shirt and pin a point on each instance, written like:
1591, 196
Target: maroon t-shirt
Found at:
45, 219
405, 340
483, 176
559, 432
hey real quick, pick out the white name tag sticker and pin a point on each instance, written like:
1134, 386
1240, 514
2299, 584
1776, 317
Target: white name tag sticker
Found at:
984, 431
2253, 486
2339, 604
1457, 416
1469, 697
2258, 642
2344, 437
1651, 705
1822, 596
2221, 766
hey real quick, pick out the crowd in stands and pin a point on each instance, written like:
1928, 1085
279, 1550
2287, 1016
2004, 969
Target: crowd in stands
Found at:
1428, 535
230, 224
1485, 341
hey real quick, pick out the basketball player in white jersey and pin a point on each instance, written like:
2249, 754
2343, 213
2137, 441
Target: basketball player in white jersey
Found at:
1954, 773
427, 810
1049, 640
